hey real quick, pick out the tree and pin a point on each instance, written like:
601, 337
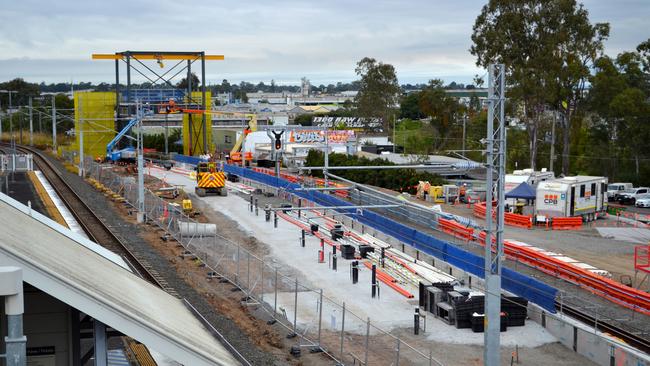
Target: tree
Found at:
196, 83
618, 97
378, 91
409, 106
547, 47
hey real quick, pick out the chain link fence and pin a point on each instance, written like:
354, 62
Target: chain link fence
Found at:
318, 323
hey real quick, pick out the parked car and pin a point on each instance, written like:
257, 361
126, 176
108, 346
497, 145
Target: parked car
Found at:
643, 201
614, 189
629, 196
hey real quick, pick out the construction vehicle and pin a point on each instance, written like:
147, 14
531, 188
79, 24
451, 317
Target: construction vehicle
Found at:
126, 154
210, 180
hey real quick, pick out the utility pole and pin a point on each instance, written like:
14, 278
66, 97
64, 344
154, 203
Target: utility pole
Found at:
81, 137
54, 122
394, 127
31, 122
140, 152
166, 136
495, 164
464, 125
327, 155
550, 164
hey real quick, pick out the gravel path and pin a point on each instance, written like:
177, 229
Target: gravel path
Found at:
129, 233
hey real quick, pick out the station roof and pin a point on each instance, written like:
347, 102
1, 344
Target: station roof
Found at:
55, 262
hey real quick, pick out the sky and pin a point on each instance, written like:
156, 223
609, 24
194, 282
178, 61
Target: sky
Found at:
283, 40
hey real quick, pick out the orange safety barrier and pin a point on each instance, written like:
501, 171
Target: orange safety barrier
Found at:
511, 219
390, 281
616, 292
455, 229
566, 223
523, 221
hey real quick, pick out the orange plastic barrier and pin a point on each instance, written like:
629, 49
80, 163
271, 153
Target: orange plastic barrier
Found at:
511, 219
611, 290
566, 223
455, 229
522, 221
390, 281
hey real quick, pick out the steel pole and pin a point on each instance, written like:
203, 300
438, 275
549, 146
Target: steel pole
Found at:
140, 153
53, 122
81, 137
31, 122
327, 156
205, 127
550, 163
495, 164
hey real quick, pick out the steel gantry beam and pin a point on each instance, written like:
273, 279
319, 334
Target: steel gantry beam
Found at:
495, 179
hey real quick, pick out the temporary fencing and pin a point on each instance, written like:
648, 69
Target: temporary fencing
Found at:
318, 322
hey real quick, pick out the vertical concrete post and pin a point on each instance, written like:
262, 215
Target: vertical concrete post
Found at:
11, 287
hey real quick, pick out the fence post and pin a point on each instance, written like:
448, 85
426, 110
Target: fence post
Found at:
262, 282
342, 331
397, 357
295, 310
248, 271
237, 267
430, 357
367, 340
275, 296
320, 317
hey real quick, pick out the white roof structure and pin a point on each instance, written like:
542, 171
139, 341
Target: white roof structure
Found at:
54, 261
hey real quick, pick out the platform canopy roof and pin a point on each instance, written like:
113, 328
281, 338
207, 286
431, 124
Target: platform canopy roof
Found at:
56, 263
523, 191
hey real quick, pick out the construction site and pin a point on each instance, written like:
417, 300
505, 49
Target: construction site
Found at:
238, 252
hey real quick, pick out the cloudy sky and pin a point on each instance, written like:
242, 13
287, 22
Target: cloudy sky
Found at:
284, 40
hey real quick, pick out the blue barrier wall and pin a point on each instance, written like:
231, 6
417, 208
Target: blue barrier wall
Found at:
515, 282
188, 159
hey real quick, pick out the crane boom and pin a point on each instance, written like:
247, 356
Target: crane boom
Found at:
111, 145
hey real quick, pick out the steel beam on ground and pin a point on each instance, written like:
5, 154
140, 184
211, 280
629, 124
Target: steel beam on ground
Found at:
330, 207
324, 188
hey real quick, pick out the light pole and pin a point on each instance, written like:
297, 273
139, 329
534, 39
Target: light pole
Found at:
54, 122
11, 128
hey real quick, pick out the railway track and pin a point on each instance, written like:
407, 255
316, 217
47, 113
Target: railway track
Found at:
634, 340
92, 225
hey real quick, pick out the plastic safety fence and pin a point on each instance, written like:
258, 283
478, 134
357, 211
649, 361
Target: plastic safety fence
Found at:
517, 283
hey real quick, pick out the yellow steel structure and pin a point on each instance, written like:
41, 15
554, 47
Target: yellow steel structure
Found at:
156, 56
193, 128
94, 113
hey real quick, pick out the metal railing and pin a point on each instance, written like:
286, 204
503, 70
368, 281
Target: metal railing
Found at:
318, 322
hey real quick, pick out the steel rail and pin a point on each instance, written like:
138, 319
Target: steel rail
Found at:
92, 225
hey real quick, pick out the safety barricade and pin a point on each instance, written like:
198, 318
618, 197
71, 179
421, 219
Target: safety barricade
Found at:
510, 219
455, 229
522, 221
566, 223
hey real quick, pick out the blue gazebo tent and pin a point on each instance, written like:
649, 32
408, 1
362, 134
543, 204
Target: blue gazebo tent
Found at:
522, 191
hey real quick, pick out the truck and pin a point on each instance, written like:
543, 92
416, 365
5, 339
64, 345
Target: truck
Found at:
613, 189
210, 179
578, 196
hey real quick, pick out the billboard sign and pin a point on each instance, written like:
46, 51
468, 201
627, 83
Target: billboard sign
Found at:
318, 136
355, 123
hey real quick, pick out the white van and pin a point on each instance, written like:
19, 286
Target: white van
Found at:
615, 188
